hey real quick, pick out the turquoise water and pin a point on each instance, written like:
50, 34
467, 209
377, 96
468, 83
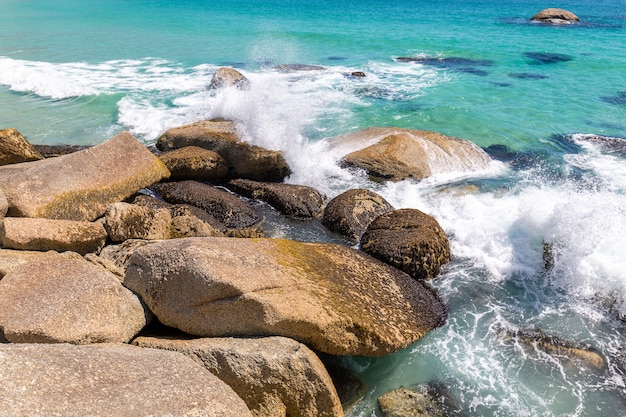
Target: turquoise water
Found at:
79, 72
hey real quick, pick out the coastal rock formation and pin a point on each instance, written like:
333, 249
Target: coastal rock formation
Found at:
298, 67
51, 151
195, 163
292, 200
57, 298
124, 221
351, 212
409, 240
243, 160
10, 259
14, 148
110, 380
4, 205
229, 77
396, 154
225, 207
79, 186
403, 402
333, 298
555, 16
275, 376
58, 235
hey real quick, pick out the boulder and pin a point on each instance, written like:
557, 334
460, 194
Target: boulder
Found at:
4, 205
292, 200
333, 298
394, 154
14, 148
10, 259
64, 298
403, 402
243, 160
229, 77
116, 257
555, 16
351, 212
195, 163
110, 380
45, 234
409, 240
275, 376
51, 151
124, 221
80, 185
225, 207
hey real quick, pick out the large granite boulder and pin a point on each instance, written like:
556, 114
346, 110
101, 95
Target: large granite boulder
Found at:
229, 77
555, 16
275, 376
64, 298
333, 298
80, 185
351, 212
195, 163
109, 380
410, 240
124, 221
290, 199
404, 402
45, 234
10, 259
394, 154
243, 160
4, 205
14, 148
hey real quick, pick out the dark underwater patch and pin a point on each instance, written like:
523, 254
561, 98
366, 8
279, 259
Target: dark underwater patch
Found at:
527, 75
501, 84
458, 64
619, 99
336, 58
547, 58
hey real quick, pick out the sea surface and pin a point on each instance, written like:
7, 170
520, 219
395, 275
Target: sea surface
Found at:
535, 96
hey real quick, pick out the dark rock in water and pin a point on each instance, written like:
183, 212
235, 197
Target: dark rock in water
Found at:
501, 84
474, 71
350, 388
611, 145
336, 58
298, 67
449, 62
547, 58
50, 151
555, 16
357, 74
620, 98
527, 76
430, 400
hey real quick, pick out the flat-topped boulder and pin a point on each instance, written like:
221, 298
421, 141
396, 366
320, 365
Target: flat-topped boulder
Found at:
275, 376
80, 185
333, 298
57, 298
10, 259
243, 159
290, 199
395, 154
45, 234
110, 380
195, 163
555, 16
14, 148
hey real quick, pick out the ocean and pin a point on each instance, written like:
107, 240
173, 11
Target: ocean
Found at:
536, 97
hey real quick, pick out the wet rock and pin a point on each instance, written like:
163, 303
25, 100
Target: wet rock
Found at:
357, 74
124, 221
275, 376
403, 402
80, 186
298, 67
547, 58
229, 77
350, 388
394, 154
225, 207
58, 235
195, 163
59, 298
555, 16
351, 212
110, 380
410, 240
292, 200
243, 160
14, 148
608, 144
335, 299
527, 76
51, 151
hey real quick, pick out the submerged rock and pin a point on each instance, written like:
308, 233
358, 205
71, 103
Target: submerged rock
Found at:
527, 76
14, 148
547, 58
619, 98
555, 16
333, 298
229, 77
275, 376
110, 380
298, 67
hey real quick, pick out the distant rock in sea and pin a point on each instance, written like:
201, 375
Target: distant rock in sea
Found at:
547, 58
527, 76
555, 16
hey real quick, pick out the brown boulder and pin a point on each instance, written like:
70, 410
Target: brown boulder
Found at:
79, 186
64, 298
195, 163
10, 259
351, 212
124, 221
336, 299
555, 16
243, 160
4, 205
275, 376
109, 380
409, 240
14, 148
229, 77
403, 402
45, 234
396, 154
293, 200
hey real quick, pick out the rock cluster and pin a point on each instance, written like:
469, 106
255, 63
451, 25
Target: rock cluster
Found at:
95, 247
